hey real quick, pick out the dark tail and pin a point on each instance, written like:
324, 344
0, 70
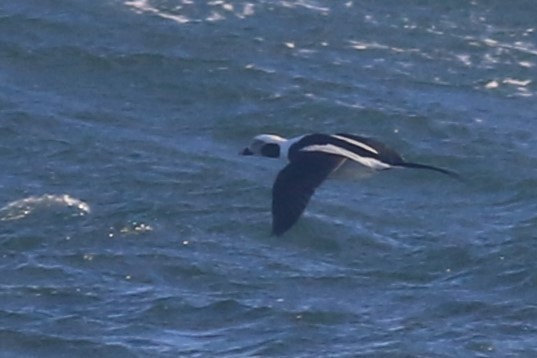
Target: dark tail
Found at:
430, 167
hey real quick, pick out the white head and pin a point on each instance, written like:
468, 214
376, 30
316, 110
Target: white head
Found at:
266, 145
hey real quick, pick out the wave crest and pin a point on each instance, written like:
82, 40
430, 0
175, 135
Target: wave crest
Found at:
22, 208
190, 11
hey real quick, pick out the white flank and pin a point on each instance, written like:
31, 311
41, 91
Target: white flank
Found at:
332, 149
356, 143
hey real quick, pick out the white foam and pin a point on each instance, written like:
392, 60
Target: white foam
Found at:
219, 10
21, 208
144, 6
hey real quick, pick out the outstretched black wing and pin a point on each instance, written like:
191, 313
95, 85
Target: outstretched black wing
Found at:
296, 183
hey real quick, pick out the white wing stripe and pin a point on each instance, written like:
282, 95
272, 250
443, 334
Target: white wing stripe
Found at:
356, 143
332, 149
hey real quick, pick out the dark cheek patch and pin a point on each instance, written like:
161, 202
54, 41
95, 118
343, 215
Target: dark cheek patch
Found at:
271, 150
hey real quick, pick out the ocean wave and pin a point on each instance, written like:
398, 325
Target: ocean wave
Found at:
19, 209
192, 12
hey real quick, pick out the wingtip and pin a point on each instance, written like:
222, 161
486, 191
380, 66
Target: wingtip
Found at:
280, 227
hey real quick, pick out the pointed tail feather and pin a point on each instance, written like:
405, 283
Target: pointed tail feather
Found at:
430, 167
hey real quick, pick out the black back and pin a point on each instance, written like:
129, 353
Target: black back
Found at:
384, 154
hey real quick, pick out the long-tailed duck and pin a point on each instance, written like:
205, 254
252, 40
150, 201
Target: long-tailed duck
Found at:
315, 157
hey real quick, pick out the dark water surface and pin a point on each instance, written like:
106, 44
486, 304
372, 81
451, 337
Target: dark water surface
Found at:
130, 227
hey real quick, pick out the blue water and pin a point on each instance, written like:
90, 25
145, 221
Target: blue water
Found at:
130, 227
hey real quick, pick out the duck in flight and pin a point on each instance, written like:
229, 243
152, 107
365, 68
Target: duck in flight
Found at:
312, 158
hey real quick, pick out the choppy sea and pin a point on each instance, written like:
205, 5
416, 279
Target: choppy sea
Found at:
131, 227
